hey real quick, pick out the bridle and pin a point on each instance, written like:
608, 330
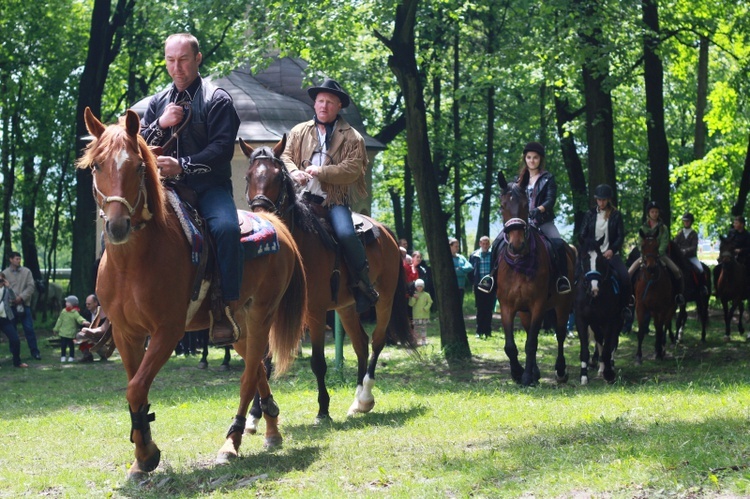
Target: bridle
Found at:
264, 202
103, 200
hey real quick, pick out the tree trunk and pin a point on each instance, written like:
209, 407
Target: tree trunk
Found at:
7, 163
408, 233
699, 144
398, 213
599, 119
458, 222
739, 206
658, 148
483, 225
404, 65
573, 165
104, 45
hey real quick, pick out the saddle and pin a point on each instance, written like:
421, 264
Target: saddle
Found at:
363, 227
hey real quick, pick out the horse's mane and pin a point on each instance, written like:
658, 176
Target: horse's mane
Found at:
114, 139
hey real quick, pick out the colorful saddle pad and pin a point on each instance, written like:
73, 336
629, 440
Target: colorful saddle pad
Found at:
258, 235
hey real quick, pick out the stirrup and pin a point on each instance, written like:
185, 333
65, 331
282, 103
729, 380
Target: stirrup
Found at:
486, 284
369, 291
679, 299
563, 286
225, 325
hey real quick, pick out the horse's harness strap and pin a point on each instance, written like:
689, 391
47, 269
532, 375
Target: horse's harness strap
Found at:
238, 425
140, 420
142, 194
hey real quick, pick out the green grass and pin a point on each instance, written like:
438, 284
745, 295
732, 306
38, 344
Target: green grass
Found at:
675, 428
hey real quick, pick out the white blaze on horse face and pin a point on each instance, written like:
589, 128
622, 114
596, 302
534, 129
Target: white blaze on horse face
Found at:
592, 267
120, 159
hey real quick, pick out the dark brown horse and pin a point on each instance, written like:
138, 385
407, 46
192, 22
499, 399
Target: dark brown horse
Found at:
654, 296
598, 307
731, 286
525, 285
145, 282
270, 188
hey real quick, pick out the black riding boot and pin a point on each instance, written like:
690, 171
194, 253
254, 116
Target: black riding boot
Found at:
563, 283
487, 283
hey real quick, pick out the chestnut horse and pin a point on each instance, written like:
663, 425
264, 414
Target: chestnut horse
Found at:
146, 277
525, 285
597, 306
270, 188
654, 297
731, 286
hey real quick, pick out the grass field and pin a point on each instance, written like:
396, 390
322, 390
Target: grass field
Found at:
675, 428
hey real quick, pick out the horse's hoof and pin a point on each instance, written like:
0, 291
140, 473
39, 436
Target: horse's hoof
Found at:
252, 426
273, 442
140, 469
361, 406
223, 367
584, 380
562, 379
638, 361
227, 452
202, 365
726, 339
323, 419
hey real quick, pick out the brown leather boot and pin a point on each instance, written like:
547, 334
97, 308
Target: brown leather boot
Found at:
223, 329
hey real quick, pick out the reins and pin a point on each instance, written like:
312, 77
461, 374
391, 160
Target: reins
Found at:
167, 147
264, 202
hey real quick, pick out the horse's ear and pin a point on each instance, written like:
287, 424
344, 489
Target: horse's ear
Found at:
246, 149
523, 181
501, 181
132, 123
93, 125
278, 149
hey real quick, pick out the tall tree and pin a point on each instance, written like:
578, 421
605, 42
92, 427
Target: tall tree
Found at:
104, 45
403, 63
658, 147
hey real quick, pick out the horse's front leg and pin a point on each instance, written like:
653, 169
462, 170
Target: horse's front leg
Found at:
583, 338
147, 454
251, 428
727, 317
511, 350
643, 319
531, 373
364, 400
561, 332
319, 366
660, 342
740, 324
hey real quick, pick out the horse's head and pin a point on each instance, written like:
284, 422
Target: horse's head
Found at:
122, 168
268, 184
649, 251
726, 250
515, 208
595, 268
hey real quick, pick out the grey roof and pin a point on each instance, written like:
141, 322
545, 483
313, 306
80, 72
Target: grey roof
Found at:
273, 101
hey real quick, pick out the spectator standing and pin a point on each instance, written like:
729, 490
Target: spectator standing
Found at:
67, 325
420, 303
485, 302
22, 283
461, 265
7, 325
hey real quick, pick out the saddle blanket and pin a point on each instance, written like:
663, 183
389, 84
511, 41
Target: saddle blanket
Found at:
258, 235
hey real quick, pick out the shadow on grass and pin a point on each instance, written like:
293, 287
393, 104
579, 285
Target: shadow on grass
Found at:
246, 472
390, 419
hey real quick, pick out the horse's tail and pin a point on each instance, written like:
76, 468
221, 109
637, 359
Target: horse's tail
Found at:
288, 325
399, 328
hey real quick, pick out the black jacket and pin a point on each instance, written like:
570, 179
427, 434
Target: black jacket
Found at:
544, 194
615, 229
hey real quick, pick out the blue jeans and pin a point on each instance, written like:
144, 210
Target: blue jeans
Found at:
7, 327
27, 323
341, 220
216, 205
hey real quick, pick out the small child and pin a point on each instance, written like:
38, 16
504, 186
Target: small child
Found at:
421, 303
67, 325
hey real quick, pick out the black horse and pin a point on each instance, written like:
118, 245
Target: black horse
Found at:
731, 285
598, 307
697, 289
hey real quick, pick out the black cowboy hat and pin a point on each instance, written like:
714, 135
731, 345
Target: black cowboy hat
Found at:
603, 191
332, 87
534, 147
653, 204
688, 216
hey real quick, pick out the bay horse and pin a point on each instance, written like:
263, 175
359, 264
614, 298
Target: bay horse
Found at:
598, 307
146, 278
654, 296
731, 286
525, 285
271, 189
